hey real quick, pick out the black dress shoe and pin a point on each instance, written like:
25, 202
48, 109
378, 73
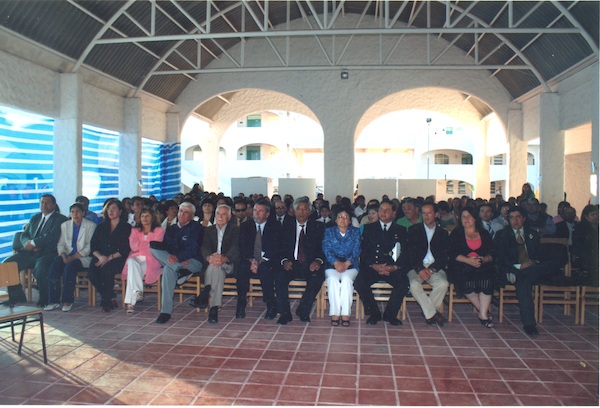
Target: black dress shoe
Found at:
213, 314
284, 319
182, 276
373, 319
531, 330
271, 313
202, 300
240, 312
163, 318
439, 319
394, 321
113, 304
303, 317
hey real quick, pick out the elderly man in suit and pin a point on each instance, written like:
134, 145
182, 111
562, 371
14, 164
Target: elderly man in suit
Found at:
260, 251
39, 241
302, 259
518, 257
427, 246
220, 249
382, 259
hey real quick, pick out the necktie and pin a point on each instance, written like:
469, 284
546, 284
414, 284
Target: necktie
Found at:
258, 244
40, 227
301, 238
490, 230
384, 227
280, 219
523, 257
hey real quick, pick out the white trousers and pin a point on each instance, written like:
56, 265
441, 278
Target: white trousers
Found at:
439, 286
340, 288
136, 269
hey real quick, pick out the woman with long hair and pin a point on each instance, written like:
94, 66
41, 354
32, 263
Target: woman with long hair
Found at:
471, 262
141, 267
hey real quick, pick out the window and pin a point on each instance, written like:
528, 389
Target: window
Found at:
497, 160
530, 159
26, 170
252, 152
441, 158
462, 187
161, 169
450, 187
466, 158
495, 187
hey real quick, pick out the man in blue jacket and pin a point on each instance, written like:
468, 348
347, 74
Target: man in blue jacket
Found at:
180, 257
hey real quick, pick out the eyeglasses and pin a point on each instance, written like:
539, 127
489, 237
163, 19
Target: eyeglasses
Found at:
280, 208
343, 217
239, 209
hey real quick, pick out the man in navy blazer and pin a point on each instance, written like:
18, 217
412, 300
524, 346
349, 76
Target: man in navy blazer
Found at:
39, 244
382, 258
428, 245
302, 259
260, 257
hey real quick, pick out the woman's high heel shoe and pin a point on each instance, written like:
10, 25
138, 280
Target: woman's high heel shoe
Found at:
335, 322
487, 323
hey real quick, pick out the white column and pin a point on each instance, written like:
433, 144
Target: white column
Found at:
595, 115
130, 150
517, 154
552, 151
173, 128
67, 142
482, 164
210, 153
338, 156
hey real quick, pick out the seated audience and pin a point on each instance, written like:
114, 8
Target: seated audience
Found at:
37, 250
171, 218
471, 264
208, 212
73, 255
520, 261
485, 215
260, 251
303, 258
341, 246
446, 216
325, 216
239, 210
427, 247
585, 243
382, 257
110, 248
179, 255
411, 214
565, 228
538, 221
90, 215
220, 250
141, 268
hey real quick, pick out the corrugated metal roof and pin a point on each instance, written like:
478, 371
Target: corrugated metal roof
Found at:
70, 27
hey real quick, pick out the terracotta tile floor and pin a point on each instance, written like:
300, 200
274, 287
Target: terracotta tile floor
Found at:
118, 358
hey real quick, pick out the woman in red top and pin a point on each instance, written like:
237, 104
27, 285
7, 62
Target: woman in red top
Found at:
471, 262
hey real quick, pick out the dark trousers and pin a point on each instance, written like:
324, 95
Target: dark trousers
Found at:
526, 278
40, 264
267, 281
368, 276
68, 274
314, 280
103, 278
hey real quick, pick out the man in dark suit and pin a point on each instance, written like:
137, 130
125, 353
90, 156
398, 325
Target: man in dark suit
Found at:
260, 252
382, 258
428, 246
564, 228
518, 257
39, 241
281, 213
220, 249
302, 258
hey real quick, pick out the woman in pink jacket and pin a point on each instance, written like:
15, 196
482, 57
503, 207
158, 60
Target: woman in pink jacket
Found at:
141, 267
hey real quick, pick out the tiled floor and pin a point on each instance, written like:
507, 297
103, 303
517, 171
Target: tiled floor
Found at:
115, 358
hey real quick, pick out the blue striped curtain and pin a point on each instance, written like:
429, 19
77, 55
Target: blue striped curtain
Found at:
161, 171
100, 163
26, 170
